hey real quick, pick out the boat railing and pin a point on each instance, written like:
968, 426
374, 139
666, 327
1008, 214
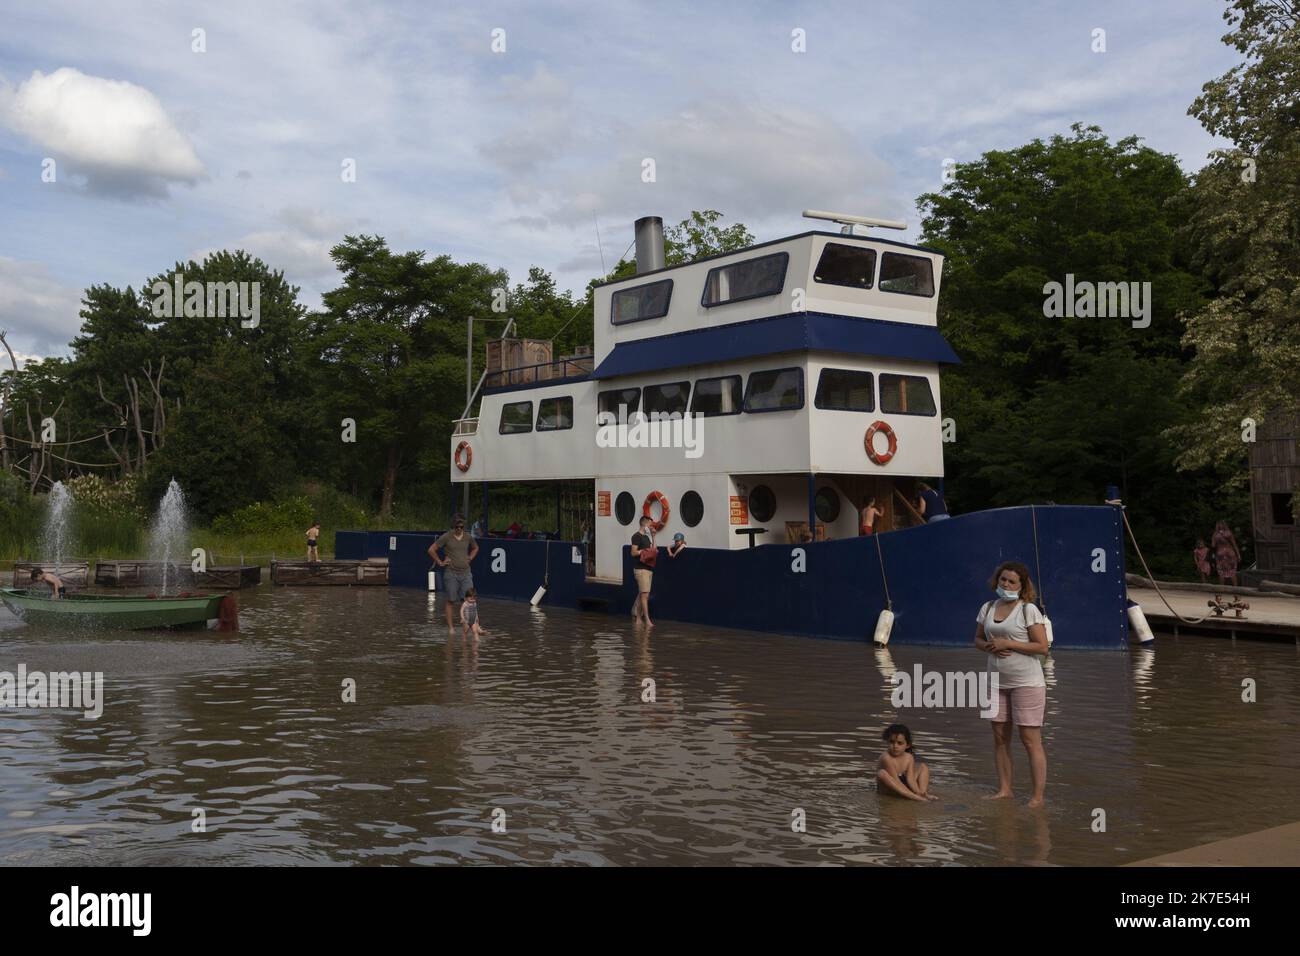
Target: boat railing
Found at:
465, 426
553, 371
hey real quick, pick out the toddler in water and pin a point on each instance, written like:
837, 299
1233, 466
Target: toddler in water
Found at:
898, 771
469, 614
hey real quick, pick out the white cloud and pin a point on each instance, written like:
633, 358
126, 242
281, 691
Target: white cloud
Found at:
39, 312
754, 162
113, 133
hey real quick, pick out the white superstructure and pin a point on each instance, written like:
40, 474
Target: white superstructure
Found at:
786, 352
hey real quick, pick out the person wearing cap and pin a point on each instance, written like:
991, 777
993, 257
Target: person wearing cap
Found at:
460, 549
678, 545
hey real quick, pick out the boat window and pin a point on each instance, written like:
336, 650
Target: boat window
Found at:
775, 390
910, 275
649, 301
666, 399
846, 390
516, 417
747, 279
827, 505
624, 508
692, 509
608, 404
554, 414
717, 396
906, 395
852, 266
762, 503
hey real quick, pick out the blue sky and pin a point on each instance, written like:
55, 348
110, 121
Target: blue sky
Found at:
514, 158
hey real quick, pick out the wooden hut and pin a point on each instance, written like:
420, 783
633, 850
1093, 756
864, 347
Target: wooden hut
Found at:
1274, 479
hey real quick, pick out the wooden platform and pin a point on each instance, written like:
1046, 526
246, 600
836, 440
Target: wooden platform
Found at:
74, 574
373, 573
133, 573
1270, 617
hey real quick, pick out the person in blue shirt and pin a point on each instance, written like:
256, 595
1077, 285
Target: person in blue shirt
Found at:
931, 504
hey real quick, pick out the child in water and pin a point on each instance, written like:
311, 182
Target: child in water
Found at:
469, 614
898, 771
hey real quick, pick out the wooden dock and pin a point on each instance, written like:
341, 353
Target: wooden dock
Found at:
74, 574
372, 573
1271, 616
131, 574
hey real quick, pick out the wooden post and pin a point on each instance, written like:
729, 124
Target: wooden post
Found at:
812, 507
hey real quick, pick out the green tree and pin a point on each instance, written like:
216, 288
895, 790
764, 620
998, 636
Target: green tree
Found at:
391, 343
1241, 222
1057, 408
222, 448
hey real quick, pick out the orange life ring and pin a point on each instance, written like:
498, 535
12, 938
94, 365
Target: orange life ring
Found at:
664, 511
469, 456
875, 456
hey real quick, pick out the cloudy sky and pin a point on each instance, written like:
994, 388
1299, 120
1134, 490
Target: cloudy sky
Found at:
518, 157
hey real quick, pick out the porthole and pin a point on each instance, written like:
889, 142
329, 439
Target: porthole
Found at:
624, 508
762, 503
827, 505
692, 509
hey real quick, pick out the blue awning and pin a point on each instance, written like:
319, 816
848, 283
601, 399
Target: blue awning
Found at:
794, 332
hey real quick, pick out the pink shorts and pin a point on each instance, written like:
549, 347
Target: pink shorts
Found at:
1026, 704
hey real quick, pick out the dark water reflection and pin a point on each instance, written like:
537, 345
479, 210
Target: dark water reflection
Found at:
544, 720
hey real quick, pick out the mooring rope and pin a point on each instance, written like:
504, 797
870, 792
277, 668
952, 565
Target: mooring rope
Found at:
884, 579
1152, 577
1038, 568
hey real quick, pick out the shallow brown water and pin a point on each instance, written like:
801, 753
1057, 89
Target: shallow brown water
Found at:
544, 720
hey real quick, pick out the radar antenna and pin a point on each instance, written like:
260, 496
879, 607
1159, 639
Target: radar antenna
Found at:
847, 221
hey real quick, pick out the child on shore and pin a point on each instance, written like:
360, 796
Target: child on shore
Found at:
1201, 557
898, 771
469, 615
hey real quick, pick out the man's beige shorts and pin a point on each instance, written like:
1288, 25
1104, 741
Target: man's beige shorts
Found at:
643, 578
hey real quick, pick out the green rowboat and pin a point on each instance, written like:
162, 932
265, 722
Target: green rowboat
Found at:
130, 613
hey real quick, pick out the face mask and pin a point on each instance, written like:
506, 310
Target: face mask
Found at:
1008, 595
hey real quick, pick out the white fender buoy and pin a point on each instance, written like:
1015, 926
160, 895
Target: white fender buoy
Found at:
1137, 622
1047, 626
884, 624
433, 580
538, 595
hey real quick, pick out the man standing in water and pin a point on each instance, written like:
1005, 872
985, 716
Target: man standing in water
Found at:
460, 549
644, 554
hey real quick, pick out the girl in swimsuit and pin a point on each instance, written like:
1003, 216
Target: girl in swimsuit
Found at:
898, 771
469, 614
313, 534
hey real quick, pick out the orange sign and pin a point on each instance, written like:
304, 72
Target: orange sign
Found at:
739, 510
602, 504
